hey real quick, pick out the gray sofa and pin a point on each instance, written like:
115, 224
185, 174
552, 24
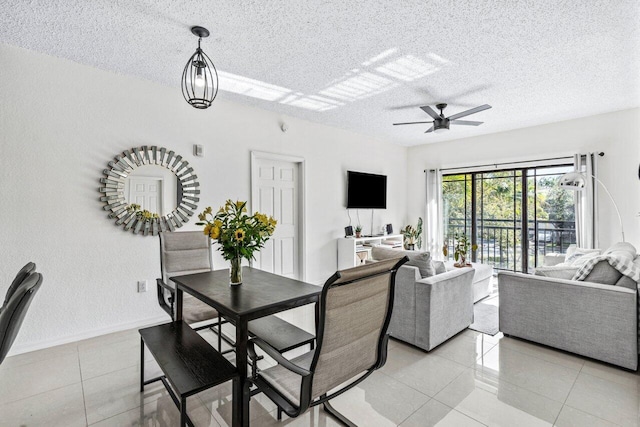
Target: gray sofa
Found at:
431, 304
595, 317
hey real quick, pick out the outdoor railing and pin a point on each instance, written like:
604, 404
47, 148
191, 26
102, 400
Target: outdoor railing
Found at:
499, 241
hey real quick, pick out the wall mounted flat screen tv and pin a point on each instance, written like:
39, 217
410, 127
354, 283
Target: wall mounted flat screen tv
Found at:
366, 191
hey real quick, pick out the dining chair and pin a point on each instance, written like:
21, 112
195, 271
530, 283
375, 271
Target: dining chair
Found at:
14, 309
29, 268
186, 252
353, 315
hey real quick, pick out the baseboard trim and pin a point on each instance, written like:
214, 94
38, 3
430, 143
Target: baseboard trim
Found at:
39, 345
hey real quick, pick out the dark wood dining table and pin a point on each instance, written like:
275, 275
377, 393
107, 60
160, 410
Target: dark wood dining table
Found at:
260, 294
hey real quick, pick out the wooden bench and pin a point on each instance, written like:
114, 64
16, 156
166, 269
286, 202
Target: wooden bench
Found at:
188, 362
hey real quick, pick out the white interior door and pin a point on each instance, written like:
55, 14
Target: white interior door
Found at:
146, 192
275, 192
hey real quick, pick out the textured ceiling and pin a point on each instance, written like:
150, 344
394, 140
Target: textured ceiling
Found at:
363, 65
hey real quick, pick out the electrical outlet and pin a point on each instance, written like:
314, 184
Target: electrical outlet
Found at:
142, 286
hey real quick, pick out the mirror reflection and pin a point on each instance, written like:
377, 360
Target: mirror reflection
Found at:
154, 188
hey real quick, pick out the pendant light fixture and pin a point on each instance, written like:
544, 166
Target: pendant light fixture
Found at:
199, 78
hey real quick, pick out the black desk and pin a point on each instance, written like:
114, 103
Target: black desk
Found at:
261, 294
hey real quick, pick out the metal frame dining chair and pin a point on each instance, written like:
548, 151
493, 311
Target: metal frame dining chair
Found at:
18, 299
186, 252
353, 316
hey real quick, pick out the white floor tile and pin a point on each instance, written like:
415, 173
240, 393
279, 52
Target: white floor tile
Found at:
611, 373
379, 400
40, 355
122, 354
544, 353
605, 399
494, 402
473, 379
62, 407
424, 372
437, 414
19, 382
570, 417
534, 374
117, 392
160, 413
464, 349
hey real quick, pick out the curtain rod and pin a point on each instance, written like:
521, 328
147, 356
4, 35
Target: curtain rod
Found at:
510, 163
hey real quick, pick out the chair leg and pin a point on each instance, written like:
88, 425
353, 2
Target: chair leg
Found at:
219, 334
141, 365
337, 415
279, 413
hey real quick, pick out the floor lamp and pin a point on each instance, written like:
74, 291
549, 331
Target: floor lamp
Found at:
576, 181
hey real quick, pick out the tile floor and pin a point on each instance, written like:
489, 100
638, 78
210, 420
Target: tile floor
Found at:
472, 380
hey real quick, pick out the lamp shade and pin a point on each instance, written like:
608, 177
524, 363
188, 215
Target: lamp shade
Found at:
573, 181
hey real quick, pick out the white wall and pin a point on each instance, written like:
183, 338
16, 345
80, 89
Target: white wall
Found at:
617, 134
60, 123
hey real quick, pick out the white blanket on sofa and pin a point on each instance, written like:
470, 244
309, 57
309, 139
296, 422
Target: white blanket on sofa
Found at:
620, 256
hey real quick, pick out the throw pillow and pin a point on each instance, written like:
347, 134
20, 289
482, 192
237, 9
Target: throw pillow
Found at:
422, 260
440, 267
603, 273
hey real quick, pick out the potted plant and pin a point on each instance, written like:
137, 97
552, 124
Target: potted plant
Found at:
460, 250
412, 236
358, 231
239, 235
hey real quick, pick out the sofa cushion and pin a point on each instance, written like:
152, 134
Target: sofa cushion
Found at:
422, 260
627, 282
557, 272
439, 266
604, 274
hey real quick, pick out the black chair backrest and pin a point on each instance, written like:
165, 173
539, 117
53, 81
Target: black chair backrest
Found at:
15, 309
22, 274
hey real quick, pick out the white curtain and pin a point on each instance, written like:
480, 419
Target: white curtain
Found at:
434, 232
586, 212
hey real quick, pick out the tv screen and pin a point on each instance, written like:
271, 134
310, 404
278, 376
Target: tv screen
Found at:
366, 191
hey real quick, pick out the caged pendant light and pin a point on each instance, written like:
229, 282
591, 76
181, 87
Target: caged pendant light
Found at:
199, 78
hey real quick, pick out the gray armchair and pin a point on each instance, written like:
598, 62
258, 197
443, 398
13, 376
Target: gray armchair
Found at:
353, 316
429, 310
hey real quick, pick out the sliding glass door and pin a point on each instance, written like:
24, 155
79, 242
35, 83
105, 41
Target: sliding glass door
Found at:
514, 216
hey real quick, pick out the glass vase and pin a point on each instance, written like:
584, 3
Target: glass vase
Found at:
235, 273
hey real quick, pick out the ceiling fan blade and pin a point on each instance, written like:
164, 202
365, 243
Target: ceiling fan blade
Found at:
430, 129
430, 112
469, 112
410, 123
465, 122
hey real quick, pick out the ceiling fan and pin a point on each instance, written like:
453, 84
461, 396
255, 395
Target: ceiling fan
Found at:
441, 123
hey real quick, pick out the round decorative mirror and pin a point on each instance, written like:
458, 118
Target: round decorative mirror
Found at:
149, 189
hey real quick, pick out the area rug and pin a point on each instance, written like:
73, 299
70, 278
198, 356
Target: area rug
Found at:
485, 317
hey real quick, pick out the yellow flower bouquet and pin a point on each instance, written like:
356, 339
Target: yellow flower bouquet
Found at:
238, 234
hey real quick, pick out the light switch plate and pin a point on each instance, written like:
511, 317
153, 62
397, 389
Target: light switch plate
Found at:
142, 286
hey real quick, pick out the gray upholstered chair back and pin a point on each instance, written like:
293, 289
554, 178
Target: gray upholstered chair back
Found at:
353, 311
15, 309
22, 274
184, 252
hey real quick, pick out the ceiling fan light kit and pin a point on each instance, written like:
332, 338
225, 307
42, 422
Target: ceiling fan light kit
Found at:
442, 123
199, 78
